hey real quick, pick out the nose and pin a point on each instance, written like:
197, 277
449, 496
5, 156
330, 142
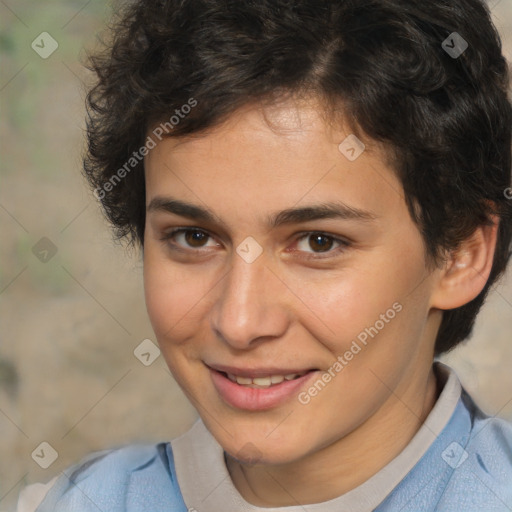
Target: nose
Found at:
251, 306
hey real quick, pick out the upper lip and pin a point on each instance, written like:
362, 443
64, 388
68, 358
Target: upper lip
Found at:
257, 372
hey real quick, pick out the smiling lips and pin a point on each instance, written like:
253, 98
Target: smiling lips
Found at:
261, 377
258, 389
262, 382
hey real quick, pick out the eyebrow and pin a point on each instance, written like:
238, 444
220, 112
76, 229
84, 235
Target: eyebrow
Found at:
329, 210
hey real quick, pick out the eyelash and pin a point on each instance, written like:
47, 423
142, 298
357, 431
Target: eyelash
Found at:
344, 244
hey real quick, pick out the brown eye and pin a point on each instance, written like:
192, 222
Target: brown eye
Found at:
195, 238
314, 244
186, 238
320, 242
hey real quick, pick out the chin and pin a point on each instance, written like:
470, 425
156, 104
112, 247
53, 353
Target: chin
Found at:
259, 450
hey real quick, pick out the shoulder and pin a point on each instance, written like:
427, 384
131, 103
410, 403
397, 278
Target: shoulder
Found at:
483, 465
139, 475
490, 441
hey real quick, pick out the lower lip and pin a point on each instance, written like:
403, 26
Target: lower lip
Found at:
257, 399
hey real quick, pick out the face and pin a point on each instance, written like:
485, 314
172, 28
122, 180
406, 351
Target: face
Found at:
293, 265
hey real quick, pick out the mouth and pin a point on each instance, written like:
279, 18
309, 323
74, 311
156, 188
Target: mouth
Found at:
263, 382
261, 389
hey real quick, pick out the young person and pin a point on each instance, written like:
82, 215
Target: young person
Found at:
321, 193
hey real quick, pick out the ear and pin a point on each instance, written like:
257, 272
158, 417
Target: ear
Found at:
465, 272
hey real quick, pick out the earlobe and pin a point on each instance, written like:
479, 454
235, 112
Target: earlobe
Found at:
467, 269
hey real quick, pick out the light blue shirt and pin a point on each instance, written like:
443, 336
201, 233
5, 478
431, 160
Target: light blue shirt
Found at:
459, 460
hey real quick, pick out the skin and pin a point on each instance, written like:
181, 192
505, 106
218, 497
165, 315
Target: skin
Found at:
208, 305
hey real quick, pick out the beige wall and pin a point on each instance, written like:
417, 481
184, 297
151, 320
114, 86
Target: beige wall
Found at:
69, 326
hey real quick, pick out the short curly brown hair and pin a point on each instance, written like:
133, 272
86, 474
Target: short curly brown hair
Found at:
446, 118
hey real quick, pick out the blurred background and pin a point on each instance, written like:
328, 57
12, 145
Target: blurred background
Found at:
71, 301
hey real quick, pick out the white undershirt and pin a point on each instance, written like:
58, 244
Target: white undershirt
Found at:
32, 496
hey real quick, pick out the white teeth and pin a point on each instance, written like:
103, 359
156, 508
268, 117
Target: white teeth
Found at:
263, 382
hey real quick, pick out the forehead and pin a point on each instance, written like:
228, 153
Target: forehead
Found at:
271, 157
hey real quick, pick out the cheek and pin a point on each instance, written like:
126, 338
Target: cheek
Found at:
365, 304
173, 296
343, 304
